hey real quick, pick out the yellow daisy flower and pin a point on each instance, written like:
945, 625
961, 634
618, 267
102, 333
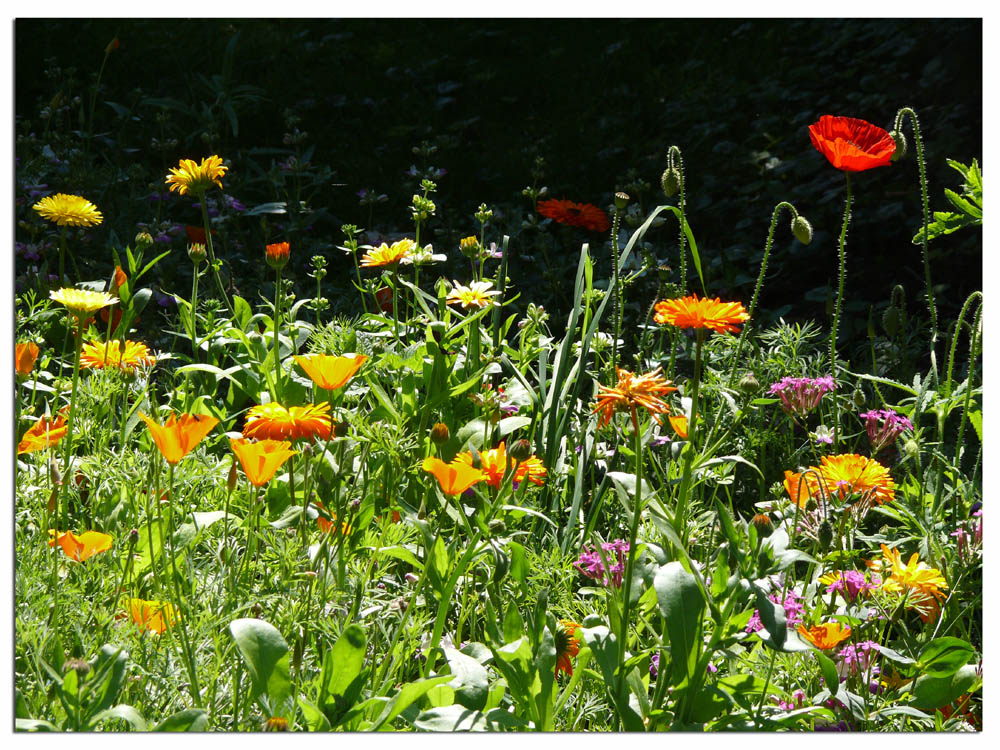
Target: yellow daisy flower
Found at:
477, 294
385, 255
197, 178
915, 577
115, 354
82, 301
68, 210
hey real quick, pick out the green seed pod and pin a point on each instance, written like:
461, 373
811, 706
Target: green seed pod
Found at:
900, 140
621, 200
802, 230
825, 535
891, 320
670, 180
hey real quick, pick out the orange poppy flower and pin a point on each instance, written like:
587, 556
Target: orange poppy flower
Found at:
24, 357
276, 422
261, 459
494, 465
42, 434
81, 547
331, 372
585, 215
154, 616
692, 312
680, 426
825, 636
567, 646
115, 354
454, 478
850, 144
632, 391
277, 254
178, 437
329, 525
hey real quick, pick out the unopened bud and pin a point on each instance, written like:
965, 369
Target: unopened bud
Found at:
900, 140
497, 526
232, 478
143, 240
256, 610
912, 448
825, 535
79, 666
670, 180
133, 536
802, 230
411, 577
55, 476
521, 450
440, 433
891, 320
341, 429
748, 384
197, 252
858, 398
762, 522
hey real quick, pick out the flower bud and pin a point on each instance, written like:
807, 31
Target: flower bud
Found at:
621, 200
802, 230
497, 526
521, 450
912, 448
762, 522
79, 666
143, 240
748, 384
440, 433
858, 398
341, 429
133, 536
670, 180
891, 320
197, 252
55, 476
900, 139
232, 478
277, 255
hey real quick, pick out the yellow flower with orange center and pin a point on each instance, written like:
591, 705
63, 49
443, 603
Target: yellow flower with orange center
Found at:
68, 210
154, 616
42, 434
261, 459
81, 547
330, 372
178, 436
25, 356
825, 636
494, 466
82, 301
197, 178
388, 255
631, 392
692, 312
277, 422
115, 354
454, 478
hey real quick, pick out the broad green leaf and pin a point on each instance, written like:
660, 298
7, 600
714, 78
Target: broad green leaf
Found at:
682, 605
110, 669
266, 655
124, 712
407, 694
829, 670
34, 725
188, 720
471, 683
942, 657
451, 719
341, 678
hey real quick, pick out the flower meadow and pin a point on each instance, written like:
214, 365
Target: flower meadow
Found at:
452, 510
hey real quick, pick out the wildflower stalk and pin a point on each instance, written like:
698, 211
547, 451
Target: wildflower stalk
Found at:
616, 291
71, 422
277, 323
842, 257
675, 153
213, 264
680, 525
194, 311
63, 252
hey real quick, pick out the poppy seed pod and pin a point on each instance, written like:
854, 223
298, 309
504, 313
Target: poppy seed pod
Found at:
232, 478
440, 434
802, 230
900, 139
670, 180
621, 200
825, 535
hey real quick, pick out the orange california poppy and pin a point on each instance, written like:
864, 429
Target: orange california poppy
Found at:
585, 215
567, 646
115, 354
331, 372
277, 254
275, 422
119, 280
178, 437
494, 466
385, 255
81, 547
825, 636
680, 426
154, 616
632, 391
24, 357
454, 478
261, 459
42, 434
850, 144
692, 312
330, 525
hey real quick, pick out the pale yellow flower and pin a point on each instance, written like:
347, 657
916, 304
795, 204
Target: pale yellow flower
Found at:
477, 294
82, 300
386, 255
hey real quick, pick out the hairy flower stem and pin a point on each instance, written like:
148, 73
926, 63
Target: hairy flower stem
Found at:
211, 255
617, 291
680, 523
842, 256
194, 312
630, 560
70, 424
277, 324
63, 252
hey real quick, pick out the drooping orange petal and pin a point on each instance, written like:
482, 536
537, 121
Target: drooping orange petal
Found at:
24, 357
178, 437
454, 478
81, 547
42, 434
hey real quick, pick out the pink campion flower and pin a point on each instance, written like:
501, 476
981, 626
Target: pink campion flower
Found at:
969, 537
883, 427
850, 583
793, 611
799, 396
858, 658
590, 565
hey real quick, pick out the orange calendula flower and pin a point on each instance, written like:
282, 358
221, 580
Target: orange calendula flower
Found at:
261, 459
850, 144
633, 391
386, 255
680, 426
154, 616
277, 254
494, 466
567, 645
197, 178
42, 434
25, 356
79, 548
585, 215
826, 635
843, 476
68, 210
454, 478
276, 422
920, 582
331, 372
692, 312
115, 354
178, 437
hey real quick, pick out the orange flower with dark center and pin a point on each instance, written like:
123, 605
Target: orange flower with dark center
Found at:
567, 645
494, 466
42, 434
178, 437
276, 422
277, 254
454, 478
115, 354
585, 215
154, 616
826, 635
25, 356
331, 372
633, 391
692, 312
79, 548
679, 424
850, 144
261, 459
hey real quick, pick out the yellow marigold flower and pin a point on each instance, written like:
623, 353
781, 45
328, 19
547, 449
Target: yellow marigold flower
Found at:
82, 301
178, 437
68, 210
25, 356
42, 434
330, 372
477, 294
276, 422
154, 616
633, 391
261, 459
915, 578
691, 312
115, 354
494, 466
567, 645
826, 635
197, 178
385, 255
79, 548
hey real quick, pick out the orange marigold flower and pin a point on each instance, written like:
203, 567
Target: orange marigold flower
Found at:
843, 476
42, 434
384, 255
115, 354
567, 645
277, 254
916, 579
261, 459
585, 215
826, 635
692, 312
81, 547
178, 437
25, 356
454, 478
329, 372
680, 426
197, 178
277, 422
494, 466
633, 391
850, 144
154, 616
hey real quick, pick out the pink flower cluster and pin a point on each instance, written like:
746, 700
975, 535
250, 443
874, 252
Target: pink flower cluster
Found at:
858, 658
590, 564
799, 396
883, 427
793, 611
851, 583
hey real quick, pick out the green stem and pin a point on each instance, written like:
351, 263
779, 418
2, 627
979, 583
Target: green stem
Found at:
277, 323
630, 561
209, 247
617, 292
71, 423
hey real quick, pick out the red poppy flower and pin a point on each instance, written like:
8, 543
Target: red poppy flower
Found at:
850, 144
196, 234
584, 215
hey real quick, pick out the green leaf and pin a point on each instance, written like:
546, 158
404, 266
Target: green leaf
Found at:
410, 692
316, 721
934, 692
266, 655
188, 720
451, 719
518, 569
829, 670
341, 679
471, 683
942, 657
110, 669
34, 725
513, 623
605, 648
682, 605
124, 712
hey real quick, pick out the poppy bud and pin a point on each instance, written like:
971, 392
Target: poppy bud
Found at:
341, 429
670, 180
891, 320
825, 535
521, 450
53, 496
497, 526
197, 252
133, 536
621, 200
256, 610
440, 433
762, 522
79, 666
748, 384
143, 240
859, 398
900, 139
912, 448
231, 479
802, 230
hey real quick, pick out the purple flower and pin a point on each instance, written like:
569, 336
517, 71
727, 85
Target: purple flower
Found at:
851, 584
858, 658
883, 427
233, 203
590, 564
793, 610
654, 666
799, 396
